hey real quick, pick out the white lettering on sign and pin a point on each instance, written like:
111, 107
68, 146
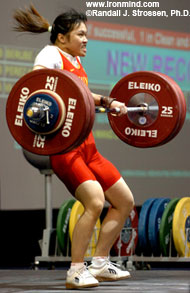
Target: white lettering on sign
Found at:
131, 243
22, 100
39, 141
141, 132
69, 117
132, 85
132, 215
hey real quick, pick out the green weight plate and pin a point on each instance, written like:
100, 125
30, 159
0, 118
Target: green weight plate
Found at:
165, 232
62, 227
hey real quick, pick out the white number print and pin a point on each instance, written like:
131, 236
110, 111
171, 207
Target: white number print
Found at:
167, 111
51, 83
39, 141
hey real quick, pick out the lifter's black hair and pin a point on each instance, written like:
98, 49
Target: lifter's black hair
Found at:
65, 22
30, 20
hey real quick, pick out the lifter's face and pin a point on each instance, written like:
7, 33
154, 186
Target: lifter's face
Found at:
75, 43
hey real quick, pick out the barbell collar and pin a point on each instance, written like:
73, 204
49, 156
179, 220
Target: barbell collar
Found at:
36, 111
39, 113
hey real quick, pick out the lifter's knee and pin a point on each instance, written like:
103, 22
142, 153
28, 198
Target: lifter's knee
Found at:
96, 207
128, 202
91, 195
121, 197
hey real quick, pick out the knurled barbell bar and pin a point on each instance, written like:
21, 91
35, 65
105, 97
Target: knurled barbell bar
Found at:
52, 111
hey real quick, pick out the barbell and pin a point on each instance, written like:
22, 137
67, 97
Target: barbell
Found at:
52, 111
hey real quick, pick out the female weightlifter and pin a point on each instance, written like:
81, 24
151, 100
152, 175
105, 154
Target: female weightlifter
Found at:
89, 177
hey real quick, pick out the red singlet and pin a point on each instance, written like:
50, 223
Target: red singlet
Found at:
84, 162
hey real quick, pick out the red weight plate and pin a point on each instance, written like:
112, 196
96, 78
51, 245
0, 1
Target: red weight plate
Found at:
126, 243
91, 108
182, 106
89, 114
150, 84
91, 111
65, 85
179, 90
180, 110
180, 94
181, 118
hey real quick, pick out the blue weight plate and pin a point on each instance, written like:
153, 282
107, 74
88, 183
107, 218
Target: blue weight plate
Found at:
143, 243
155, 217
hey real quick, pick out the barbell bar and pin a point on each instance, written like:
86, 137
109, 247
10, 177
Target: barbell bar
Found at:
39, 112
139, 109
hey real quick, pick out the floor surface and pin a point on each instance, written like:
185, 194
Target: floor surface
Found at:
43, 281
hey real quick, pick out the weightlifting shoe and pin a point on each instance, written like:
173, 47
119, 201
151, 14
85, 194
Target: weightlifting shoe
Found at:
81, 278
108, 271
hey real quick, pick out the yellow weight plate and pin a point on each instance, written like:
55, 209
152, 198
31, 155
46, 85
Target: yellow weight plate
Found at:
76, 212
181, 227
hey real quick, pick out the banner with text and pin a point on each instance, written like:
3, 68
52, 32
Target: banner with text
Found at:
108, 62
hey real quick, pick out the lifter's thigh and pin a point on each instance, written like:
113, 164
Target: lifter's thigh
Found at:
105, 172
72, 170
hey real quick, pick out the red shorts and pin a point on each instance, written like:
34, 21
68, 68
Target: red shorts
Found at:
82, 164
